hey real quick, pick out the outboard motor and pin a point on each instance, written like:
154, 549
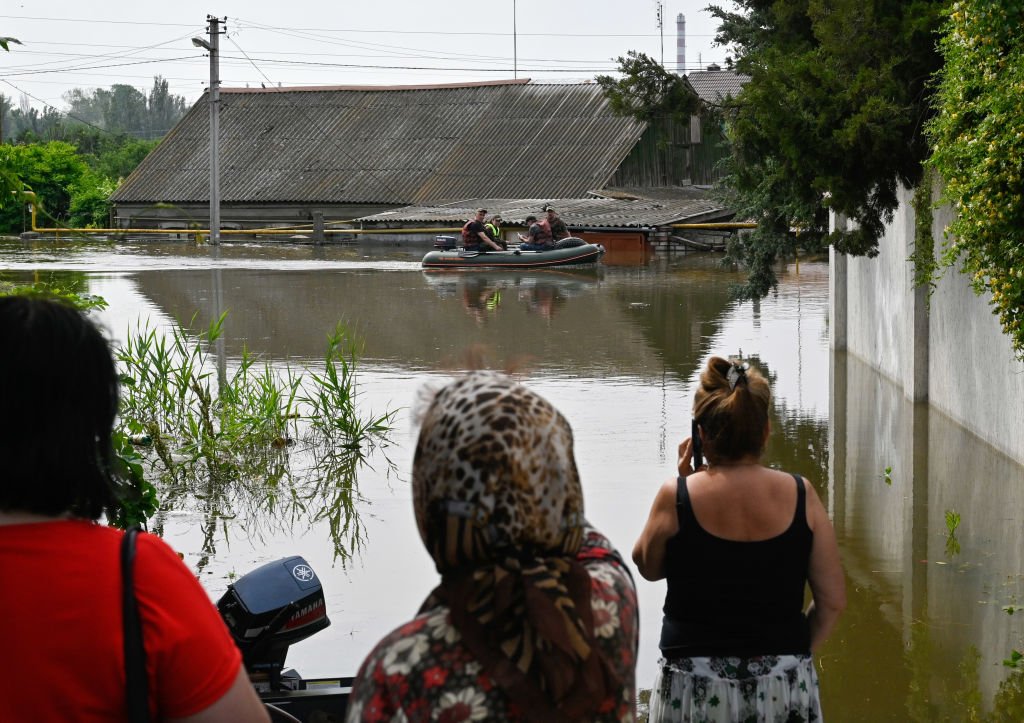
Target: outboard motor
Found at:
445, 243
271, 608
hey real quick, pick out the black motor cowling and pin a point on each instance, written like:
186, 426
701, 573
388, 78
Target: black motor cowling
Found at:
271, 608
445, 243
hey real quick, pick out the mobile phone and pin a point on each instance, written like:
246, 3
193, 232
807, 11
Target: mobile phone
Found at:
695, 445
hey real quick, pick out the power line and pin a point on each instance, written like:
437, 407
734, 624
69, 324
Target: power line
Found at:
97, 67
95, 21
355, 30
320, 64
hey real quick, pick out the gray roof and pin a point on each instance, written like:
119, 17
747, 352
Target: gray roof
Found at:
632, 212
714, 86
394, 145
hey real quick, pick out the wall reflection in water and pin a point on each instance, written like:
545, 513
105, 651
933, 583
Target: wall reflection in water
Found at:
929, 623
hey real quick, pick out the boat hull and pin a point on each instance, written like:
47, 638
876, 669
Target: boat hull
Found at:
584, 254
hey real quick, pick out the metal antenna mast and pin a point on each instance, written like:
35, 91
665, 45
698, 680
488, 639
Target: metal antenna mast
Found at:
661, 31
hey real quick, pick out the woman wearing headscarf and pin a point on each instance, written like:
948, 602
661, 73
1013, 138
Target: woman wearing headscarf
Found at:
535, 617
738, 543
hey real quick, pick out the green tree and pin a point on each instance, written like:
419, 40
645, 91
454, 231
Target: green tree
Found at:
124, 109
84, 106
832, 118
116, 161
648, 92
165, 109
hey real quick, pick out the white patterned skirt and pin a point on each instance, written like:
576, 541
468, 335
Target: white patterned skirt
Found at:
764, 689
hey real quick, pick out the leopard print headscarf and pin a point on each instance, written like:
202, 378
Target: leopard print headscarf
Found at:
499, 506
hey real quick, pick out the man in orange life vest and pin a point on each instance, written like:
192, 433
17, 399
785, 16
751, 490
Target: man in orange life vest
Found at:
474, 234
538, 238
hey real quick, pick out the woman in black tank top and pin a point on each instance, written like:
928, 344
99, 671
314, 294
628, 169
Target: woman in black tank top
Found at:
737, 544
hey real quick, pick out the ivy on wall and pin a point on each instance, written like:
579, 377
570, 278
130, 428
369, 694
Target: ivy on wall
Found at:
977, 138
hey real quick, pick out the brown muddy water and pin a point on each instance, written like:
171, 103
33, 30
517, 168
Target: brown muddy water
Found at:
932, 614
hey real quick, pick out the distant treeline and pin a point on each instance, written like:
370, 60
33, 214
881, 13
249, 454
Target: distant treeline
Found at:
120, 109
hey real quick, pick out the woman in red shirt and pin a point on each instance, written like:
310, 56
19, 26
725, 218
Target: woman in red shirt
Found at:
60, 575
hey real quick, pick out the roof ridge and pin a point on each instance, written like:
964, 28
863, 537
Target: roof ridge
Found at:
377, 88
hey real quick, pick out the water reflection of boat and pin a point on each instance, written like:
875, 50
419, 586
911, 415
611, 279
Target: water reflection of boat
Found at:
583, 253
483, 293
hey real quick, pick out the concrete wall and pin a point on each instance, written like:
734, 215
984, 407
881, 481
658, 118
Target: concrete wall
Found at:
948, 351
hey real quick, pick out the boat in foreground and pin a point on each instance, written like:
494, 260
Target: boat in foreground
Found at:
565, 254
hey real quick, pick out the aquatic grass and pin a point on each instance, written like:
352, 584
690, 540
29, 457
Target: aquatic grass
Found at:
261, 444
1016, 660
952, 523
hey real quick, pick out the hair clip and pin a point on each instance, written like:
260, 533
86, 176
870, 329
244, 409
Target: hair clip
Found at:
736, 372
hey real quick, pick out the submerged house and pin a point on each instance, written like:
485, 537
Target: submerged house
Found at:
351, 153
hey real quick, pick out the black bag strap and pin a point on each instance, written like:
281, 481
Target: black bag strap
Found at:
136, 680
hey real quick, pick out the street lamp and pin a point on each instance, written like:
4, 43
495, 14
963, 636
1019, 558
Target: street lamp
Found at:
213, 48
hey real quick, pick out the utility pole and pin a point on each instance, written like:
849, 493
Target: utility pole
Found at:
213, 48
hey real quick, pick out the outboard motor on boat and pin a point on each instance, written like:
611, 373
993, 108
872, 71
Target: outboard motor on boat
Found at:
445, 243
270, 609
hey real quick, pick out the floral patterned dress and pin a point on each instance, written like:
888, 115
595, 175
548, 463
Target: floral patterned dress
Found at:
763, 689
421, 671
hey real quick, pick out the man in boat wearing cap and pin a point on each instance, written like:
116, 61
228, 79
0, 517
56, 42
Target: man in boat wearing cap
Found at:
538, 237
559, 230
474, 234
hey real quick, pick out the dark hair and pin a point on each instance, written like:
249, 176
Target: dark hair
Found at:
59, 387
731, 407
530, 218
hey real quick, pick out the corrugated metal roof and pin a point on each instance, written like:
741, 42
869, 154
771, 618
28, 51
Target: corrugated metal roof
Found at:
398, 145
576, 212
714, 86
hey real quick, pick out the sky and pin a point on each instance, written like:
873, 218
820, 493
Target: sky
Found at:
69, 44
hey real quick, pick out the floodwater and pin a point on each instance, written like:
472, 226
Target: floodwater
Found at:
934, 608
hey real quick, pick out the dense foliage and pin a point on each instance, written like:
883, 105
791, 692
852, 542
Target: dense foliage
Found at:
50, 170
978, 137
72, 181
832, 118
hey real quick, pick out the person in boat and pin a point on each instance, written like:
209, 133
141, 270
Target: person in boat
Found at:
558, 228
474, 234
537, 237
60, 567
737, 543
493, 229
535, 616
